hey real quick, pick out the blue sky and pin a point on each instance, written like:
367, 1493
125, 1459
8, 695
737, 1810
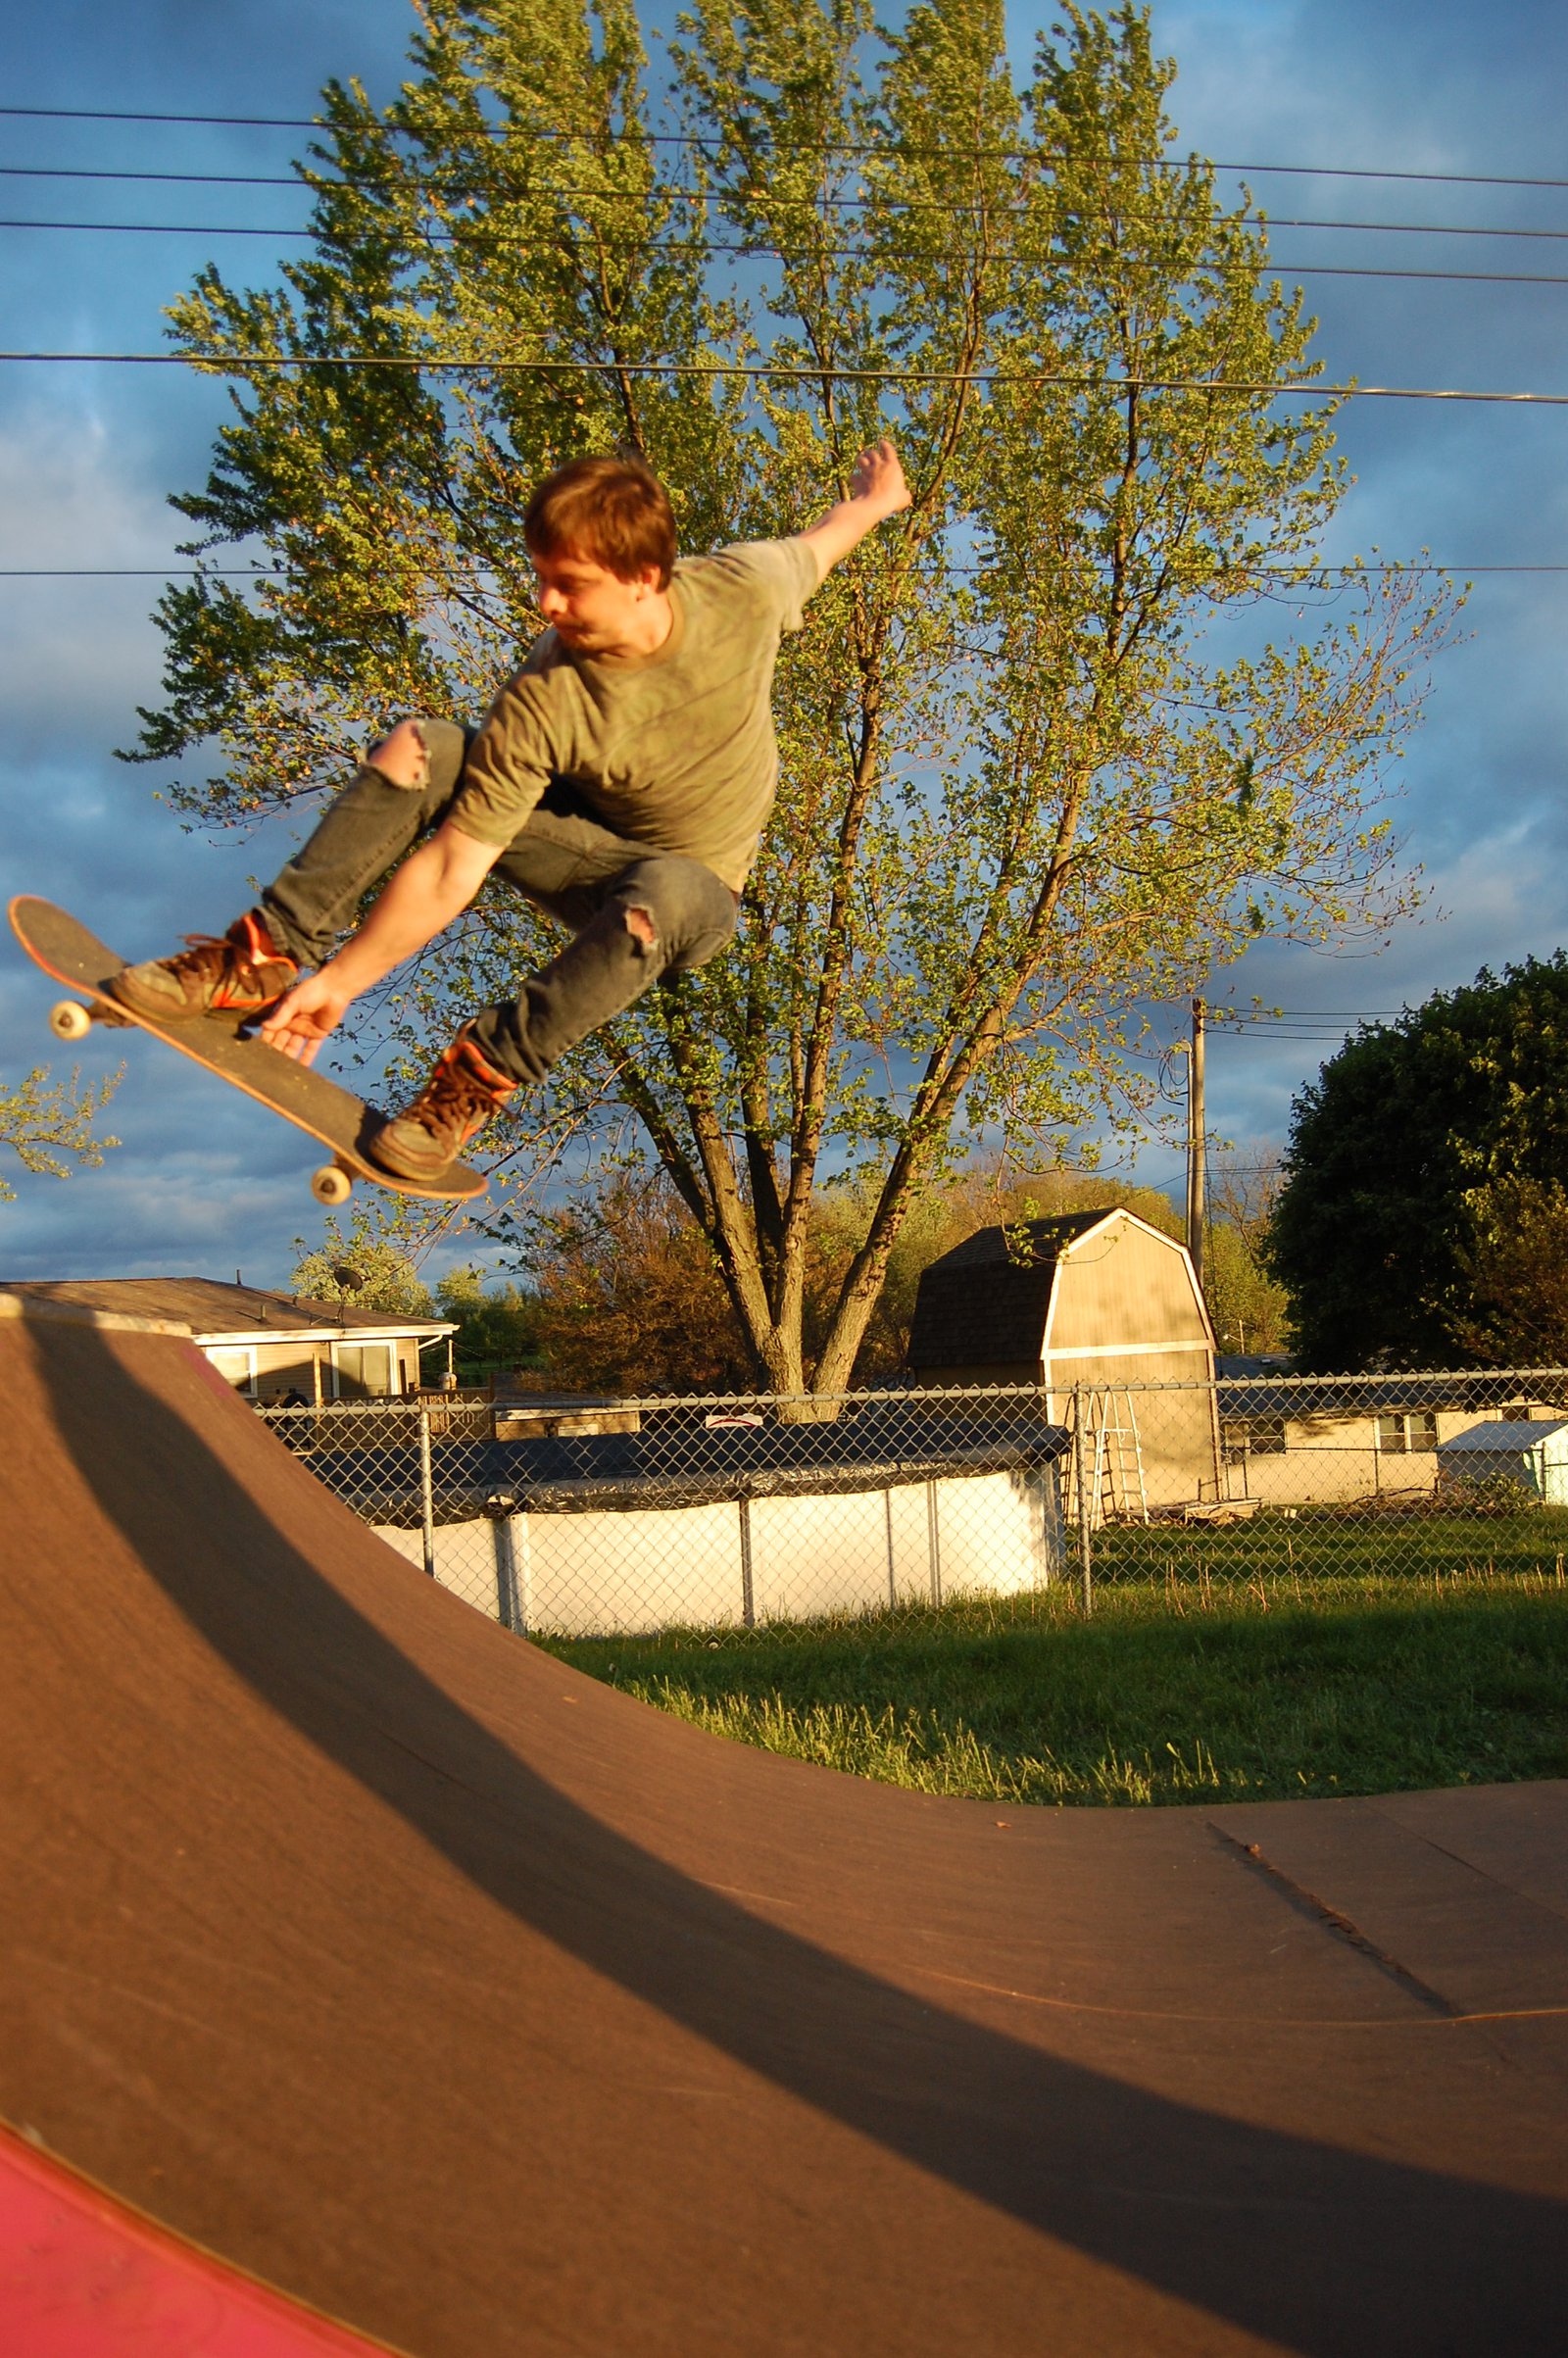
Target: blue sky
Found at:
204, 1183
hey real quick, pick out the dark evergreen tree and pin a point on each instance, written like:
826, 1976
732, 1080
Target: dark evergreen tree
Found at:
1404, 1166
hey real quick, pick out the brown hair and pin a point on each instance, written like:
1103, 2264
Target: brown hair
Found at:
614, 511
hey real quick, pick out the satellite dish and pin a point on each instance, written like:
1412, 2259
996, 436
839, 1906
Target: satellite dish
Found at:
349, 1279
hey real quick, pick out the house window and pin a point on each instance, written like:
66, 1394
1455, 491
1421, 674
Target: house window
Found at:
1405, 1435
1254, 1436
234, 1367
363, 1370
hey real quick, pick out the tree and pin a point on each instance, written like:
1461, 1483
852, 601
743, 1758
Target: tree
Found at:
1021, 792
1249, 1306
628, 1282
497, 1325
951, 1209
1516, 1265
630, 1299
372, 1270
48, 1124
1411, 1163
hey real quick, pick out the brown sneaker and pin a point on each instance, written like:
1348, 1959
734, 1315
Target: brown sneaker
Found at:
241, 972
453, 1107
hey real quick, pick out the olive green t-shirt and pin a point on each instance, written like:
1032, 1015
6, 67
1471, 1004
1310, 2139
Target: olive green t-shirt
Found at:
675, 749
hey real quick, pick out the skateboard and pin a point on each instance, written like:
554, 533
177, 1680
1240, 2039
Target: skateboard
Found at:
342, 1122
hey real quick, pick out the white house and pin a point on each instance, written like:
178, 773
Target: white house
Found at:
270, 1345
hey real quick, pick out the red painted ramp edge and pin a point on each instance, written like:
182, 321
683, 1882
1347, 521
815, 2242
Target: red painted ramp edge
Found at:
81, 2276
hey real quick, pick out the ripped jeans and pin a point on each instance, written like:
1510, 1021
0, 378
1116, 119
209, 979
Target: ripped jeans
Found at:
634, 914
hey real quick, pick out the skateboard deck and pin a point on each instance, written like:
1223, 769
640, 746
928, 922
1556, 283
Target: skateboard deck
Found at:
339, 1120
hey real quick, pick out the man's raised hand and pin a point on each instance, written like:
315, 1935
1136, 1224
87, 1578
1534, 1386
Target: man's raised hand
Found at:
877, 490
878, 477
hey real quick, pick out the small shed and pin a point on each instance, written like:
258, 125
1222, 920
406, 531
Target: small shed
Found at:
1530, 1456
1094, 1304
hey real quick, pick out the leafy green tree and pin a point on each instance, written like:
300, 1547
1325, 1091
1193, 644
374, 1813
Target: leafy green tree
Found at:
497, 1325
48, 1124
630, 1299
1409, 1164
1249, 1306
1516, 1265
1023, 789
370, 1270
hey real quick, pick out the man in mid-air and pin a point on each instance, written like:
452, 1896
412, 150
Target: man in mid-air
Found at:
619, 781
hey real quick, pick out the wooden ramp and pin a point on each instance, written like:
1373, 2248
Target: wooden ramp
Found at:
488, 2012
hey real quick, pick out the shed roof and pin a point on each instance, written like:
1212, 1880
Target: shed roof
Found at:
213, 1309
985, 1304
1024, 1243
1504, 1434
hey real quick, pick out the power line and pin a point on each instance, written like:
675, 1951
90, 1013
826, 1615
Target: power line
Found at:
241, 365
1303, 575
372, 184
317, 123
717, 198
759, 250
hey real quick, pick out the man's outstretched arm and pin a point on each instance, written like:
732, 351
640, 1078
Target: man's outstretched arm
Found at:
877, 490
434, 885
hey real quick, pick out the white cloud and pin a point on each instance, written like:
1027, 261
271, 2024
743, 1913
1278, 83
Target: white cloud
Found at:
76, 657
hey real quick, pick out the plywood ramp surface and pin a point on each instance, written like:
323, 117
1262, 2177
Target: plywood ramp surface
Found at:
494, 2013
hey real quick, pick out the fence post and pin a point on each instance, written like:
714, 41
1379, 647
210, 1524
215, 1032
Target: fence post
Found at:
933, 1530
1085, 1555
508, 1607
426, 1490
748, 1595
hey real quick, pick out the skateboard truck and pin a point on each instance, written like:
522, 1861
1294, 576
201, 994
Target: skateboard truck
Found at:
69, 1020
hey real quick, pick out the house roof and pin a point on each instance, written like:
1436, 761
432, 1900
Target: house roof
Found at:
213, 1309
1363, 1394
1242, 1365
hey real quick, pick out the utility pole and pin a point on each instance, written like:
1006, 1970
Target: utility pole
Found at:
1196, 1132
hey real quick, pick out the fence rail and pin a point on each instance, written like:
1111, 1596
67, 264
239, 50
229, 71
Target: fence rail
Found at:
582, 1519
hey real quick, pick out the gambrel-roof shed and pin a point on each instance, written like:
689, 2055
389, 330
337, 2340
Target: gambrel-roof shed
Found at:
1091, 1299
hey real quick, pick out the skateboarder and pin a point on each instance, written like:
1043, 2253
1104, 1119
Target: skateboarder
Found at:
619, 781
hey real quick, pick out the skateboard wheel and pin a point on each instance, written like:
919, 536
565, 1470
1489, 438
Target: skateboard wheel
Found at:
69, 1020
331, 1184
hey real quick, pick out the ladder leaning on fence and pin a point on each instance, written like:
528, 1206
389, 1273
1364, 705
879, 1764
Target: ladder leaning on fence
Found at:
1111, 1457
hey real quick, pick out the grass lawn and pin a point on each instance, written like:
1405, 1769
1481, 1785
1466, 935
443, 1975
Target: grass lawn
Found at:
1207, 1678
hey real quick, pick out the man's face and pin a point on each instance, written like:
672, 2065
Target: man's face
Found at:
591, 609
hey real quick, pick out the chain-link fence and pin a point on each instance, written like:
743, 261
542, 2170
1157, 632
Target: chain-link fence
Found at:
580, 1519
